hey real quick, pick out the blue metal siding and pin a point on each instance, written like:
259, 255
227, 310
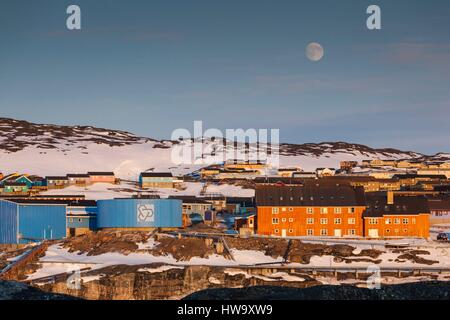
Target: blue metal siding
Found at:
38, 222
8, 222
125, 213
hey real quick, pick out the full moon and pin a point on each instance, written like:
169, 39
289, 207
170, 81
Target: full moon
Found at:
314, 51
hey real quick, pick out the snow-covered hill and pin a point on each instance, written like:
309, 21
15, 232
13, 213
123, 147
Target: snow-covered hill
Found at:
43, 149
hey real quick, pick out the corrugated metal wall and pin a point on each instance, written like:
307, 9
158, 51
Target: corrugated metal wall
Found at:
129, 213
38, 221
8, 222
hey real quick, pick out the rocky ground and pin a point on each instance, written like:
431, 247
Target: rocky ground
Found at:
12, 290
410, 291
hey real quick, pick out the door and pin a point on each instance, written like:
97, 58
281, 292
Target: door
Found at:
338, 233
283, 233
373, 233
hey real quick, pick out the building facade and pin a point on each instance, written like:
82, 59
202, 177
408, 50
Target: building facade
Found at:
396, 216
314, 209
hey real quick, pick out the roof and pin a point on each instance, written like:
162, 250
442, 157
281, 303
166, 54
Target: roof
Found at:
83, 203
442, 203
156, 174
415, 176
77, 175
273, 180
377, 205
189, 199
99, 173
246, 201
56, 178
15, 184
312, 193
71, 203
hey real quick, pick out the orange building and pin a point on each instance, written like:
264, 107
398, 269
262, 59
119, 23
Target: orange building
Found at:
396, 216
103, 177
317, 208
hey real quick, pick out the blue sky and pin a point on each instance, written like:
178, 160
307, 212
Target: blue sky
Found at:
150, 67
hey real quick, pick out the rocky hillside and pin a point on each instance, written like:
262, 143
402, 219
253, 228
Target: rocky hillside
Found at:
46, 149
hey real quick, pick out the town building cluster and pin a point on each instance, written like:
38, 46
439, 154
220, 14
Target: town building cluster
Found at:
372, 199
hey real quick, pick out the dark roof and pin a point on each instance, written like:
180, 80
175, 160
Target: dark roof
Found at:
144, 196
284, 180
83, 203
189, 199
38, 202
312, 193
56, 178
377, 205
441, 203
156, 174
15, 184
99, 173
35, 178
247, 201
77, 175
415, 176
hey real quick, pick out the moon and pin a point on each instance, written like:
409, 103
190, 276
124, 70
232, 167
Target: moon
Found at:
314, 51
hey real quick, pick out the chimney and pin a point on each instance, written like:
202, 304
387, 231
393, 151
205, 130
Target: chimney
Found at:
390, 197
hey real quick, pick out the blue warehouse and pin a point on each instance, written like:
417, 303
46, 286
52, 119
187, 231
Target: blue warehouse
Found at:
139, 213
23, 221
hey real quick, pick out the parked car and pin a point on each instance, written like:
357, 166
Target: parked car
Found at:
442, 236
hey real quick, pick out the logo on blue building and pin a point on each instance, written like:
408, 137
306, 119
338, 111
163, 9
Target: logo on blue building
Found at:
145, 213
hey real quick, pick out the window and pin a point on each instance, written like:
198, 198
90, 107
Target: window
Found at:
276, 231
310, 221
405, 220
283, 220
373, 221
80, 220
310, 210
291, 209
405, 230
388, 221
323, 232
323, 221
351, 210
351, 221
283, 209
323, 210
291, 219
310, 232
337, 210
388, 230
413, 220
291, 230
397, 221
275, 221
71, 220
274, 210
337, 221
351, 232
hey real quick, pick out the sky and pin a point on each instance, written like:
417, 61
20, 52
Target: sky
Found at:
150, 67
